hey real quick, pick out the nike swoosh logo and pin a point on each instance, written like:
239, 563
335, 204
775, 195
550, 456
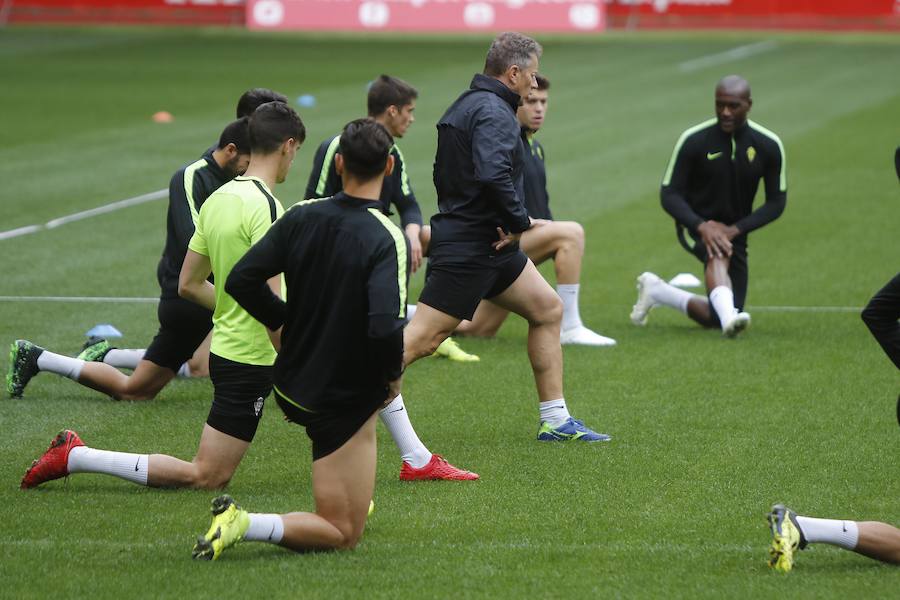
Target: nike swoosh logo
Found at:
713, 155
844, 525
272, 532
137, 464
395, 410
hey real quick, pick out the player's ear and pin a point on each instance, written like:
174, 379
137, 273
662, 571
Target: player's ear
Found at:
231, 150
339, 164
389, 166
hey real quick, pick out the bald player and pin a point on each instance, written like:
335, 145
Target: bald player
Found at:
708, 188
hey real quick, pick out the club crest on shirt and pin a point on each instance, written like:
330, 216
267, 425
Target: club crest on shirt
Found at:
257, 406
751, 154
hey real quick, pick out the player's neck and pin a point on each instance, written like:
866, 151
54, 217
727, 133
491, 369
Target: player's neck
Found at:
367, 190
264, 167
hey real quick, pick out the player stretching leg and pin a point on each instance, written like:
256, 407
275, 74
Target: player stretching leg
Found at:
473, 253
184, 327
346, 248
708, 188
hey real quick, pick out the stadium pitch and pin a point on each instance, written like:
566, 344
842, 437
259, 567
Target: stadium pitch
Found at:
708, 433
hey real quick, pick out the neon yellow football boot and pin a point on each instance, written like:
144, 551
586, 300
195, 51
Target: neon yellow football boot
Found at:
450, 349
787, 538
229, 525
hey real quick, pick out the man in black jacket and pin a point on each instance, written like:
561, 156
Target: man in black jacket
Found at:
708, 188
474, 252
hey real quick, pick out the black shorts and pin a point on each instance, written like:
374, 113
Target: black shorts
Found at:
330, 429
183, 326
455, 287
239, 392
738, 269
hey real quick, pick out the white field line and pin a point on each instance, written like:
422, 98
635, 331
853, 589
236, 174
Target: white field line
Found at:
98, 299
85, 214
711, 60
140, 300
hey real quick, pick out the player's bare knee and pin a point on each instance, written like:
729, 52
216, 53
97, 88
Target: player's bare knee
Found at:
549, 310
575, 233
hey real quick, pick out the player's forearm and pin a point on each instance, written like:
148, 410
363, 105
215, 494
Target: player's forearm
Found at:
674, 203
253, 293
763, 215
198, 292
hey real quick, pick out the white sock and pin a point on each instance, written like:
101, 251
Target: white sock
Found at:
265, 528
124, 465
411, 310
722, 300
124, 358
396, 419
184, 371
554, 412
59, 364
671, 296
568, 292
829, 531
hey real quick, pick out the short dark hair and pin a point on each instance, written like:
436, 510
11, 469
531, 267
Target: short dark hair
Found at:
508, 49
365, 146
271, 124
237, 133
252, 99
542, 82
389, 91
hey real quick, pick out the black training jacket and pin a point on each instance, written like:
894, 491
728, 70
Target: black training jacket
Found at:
534, 176
713, 175
477, 171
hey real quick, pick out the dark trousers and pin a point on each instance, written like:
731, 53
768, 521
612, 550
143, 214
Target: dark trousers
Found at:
880, 316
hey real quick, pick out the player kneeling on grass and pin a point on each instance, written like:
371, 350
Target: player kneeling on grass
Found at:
708, 188
341, 348
792, 532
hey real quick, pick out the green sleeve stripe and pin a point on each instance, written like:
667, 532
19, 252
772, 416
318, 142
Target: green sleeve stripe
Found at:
771, 134
189, 186
311, 201
684, 136
400, 243
326, 164
404, 178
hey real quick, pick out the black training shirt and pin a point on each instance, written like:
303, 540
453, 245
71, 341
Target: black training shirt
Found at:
324, 181
713, 175
346, 268
189, 188
477, 171
534, 177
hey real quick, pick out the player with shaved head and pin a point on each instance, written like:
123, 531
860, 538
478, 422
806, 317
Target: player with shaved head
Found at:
708, 188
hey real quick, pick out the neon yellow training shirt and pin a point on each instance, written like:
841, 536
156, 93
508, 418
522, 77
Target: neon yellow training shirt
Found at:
232, 219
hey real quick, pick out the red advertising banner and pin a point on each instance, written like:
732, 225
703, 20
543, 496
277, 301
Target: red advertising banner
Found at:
772, 14
587, 16
172, 12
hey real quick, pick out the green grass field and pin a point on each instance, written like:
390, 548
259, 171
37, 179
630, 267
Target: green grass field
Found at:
707, 432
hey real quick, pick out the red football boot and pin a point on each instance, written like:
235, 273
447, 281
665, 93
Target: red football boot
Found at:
436, 469
54, 463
